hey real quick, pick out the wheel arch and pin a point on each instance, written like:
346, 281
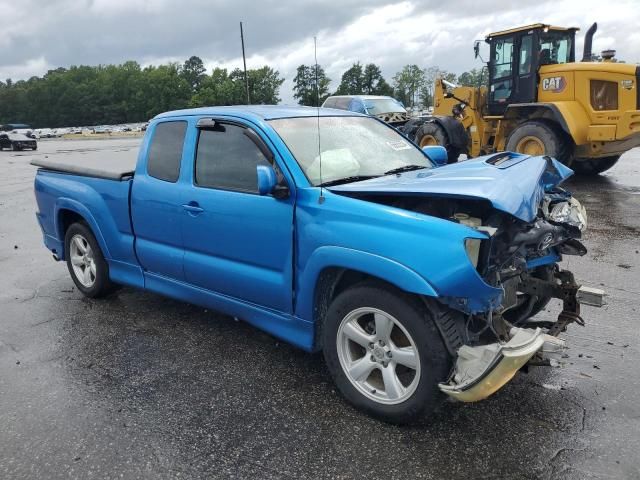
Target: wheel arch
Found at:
569, 116
67, 212
455, 131
331, 270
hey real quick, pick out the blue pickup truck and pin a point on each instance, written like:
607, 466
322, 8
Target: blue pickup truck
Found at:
334, 232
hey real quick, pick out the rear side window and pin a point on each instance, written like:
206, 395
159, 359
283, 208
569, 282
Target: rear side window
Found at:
227, 159
165, 152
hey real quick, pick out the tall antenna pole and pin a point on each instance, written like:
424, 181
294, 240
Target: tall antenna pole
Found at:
315, 57
244, 61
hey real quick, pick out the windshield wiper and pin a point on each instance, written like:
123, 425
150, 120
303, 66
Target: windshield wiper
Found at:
340, 181
405, 168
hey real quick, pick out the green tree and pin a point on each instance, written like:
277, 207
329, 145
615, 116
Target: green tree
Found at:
352, 80
408, 83
224, 88
473, 78
304, 85
264, 85
107, 94
373, 83
193, 72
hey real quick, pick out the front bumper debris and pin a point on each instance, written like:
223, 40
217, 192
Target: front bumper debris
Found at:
481, 371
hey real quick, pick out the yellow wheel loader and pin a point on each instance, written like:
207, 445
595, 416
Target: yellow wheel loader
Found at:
539, 101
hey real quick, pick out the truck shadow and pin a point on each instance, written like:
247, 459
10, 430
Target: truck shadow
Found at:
234, 394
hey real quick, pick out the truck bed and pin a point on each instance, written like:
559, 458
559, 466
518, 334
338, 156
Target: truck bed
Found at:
108, 164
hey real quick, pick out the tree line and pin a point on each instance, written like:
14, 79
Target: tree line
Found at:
128, 93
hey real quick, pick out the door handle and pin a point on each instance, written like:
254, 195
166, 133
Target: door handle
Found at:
193, 208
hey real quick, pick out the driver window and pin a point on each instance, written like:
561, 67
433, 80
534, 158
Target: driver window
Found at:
226, 159
524, 65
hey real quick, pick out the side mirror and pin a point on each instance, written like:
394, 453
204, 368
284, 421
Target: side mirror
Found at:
267, 179
476, 48
437, 154
268, 182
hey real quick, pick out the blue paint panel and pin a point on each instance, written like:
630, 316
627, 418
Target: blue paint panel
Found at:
104, 204
156, 212
289, 328
546, 260
240, 244
402, 247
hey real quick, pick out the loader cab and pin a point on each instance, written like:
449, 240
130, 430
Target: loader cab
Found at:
515, 57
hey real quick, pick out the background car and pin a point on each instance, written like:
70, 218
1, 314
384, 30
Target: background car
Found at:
17, 141
387, 109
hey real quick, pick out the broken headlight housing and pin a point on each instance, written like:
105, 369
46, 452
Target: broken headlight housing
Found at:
570, 212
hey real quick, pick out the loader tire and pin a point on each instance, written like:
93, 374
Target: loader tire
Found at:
431, 133
539, 138
593, 166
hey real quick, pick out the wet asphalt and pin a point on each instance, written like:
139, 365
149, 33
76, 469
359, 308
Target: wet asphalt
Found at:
139, 386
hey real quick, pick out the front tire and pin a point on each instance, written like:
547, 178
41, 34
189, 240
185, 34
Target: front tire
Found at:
594, 166
430, 133
384, 352
85, 261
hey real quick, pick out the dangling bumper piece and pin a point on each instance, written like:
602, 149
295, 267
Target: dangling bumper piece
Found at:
483, 370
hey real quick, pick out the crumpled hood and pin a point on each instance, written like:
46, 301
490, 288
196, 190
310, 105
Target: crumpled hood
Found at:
512, 182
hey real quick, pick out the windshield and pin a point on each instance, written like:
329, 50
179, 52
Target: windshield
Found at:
383, 105
350, 146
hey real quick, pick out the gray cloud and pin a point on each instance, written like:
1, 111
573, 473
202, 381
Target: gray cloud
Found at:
35, 37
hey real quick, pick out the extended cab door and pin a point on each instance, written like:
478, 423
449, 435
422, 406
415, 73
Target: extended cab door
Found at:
156, 201
237, 242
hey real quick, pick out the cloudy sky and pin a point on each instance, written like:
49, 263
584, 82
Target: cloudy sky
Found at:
37, 35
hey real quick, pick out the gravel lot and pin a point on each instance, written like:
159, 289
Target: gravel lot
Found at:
139, 386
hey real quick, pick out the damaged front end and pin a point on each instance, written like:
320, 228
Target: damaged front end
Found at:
526, 222
521, 258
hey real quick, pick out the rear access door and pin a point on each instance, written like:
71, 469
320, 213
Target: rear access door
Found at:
156, 200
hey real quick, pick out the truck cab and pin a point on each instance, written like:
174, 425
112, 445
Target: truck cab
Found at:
516, 57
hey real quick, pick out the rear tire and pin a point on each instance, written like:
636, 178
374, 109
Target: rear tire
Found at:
85, 261
369, 325
430, 133
594, 166
540, 138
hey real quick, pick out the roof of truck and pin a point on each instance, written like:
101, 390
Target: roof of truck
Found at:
532, 27
264, 112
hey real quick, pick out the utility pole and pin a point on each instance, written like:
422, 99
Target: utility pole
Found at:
244, 61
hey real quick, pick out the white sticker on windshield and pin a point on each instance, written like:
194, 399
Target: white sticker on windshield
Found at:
399, 145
